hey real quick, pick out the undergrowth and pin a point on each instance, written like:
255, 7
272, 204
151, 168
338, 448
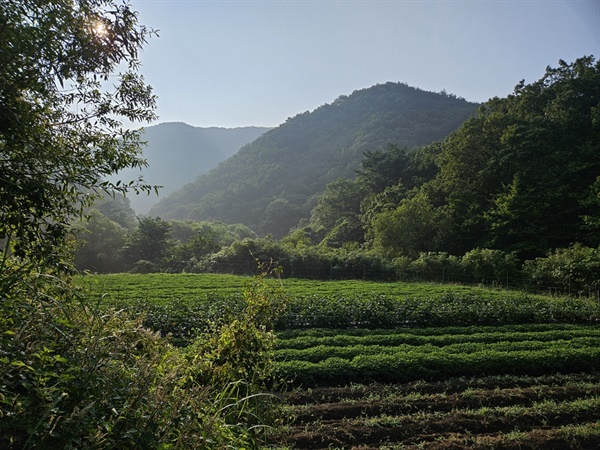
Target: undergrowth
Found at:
76, 376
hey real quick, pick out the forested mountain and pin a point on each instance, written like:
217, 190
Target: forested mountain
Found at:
177, 153
522, 176
513, 191
271, 183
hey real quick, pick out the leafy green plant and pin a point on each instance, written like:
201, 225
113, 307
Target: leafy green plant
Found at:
576, 267
238, 346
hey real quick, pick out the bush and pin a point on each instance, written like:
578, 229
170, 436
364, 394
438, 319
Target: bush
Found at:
577, 267
144, 266
301, 261
489, 265
439, 266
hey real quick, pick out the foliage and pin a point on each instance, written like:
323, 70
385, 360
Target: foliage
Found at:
74, 375
149, 241
79, 377
576, 266
298, 260
194, 241
99, 244
238, 345
519, 175
485, 263
184, 306
337, 208
449, 309
116, 207
59, 127
415, 225
153, 245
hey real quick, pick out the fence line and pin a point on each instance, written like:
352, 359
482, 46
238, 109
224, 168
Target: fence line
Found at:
364, 272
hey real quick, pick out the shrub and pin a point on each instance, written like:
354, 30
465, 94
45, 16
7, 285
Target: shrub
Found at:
436, 266
577, 266
490, 265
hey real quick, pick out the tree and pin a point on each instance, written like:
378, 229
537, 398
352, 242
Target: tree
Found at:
117, 208
381, 169
280, 216
100, 241
411, 228
521, 175
74, 373
149, 241
340, 203
61, 110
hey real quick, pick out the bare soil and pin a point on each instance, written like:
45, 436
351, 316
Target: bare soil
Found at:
550, 412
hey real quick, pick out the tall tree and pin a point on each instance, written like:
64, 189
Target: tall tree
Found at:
100, 241
413, 227
149, 241
61, 106
339, 204
381, 169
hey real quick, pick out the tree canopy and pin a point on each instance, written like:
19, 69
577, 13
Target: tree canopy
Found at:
62, 103
521, 175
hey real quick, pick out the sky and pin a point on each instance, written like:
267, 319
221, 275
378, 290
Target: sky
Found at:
257, 63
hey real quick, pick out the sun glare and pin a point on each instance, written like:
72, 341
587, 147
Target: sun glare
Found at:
100, 29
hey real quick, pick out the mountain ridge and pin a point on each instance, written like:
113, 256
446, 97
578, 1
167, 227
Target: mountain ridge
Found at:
177, 153
271, 183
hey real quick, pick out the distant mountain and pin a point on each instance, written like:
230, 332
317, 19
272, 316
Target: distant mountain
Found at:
271, 183
177, 153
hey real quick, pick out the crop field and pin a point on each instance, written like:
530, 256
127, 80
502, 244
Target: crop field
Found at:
403, 366
121, 289
436, 354
551, 412
180, 304
510, 387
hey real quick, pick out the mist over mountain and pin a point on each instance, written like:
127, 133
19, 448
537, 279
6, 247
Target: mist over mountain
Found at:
177, 153
272, 182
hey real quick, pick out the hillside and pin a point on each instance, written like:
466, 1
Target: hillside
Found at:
177, 153
271, 183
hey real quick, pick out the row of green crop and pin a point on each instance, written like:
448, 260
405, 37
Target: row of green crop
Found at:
121, 289
182, 318
448, 309
293, 335
439, 364
429, 336
323, 352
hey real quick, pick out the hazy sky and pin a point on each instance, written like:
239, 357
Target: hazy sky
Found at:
237, 63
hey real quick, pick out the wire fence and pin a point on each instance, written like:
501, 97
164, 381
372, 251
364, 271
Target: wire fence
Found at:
365, 272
